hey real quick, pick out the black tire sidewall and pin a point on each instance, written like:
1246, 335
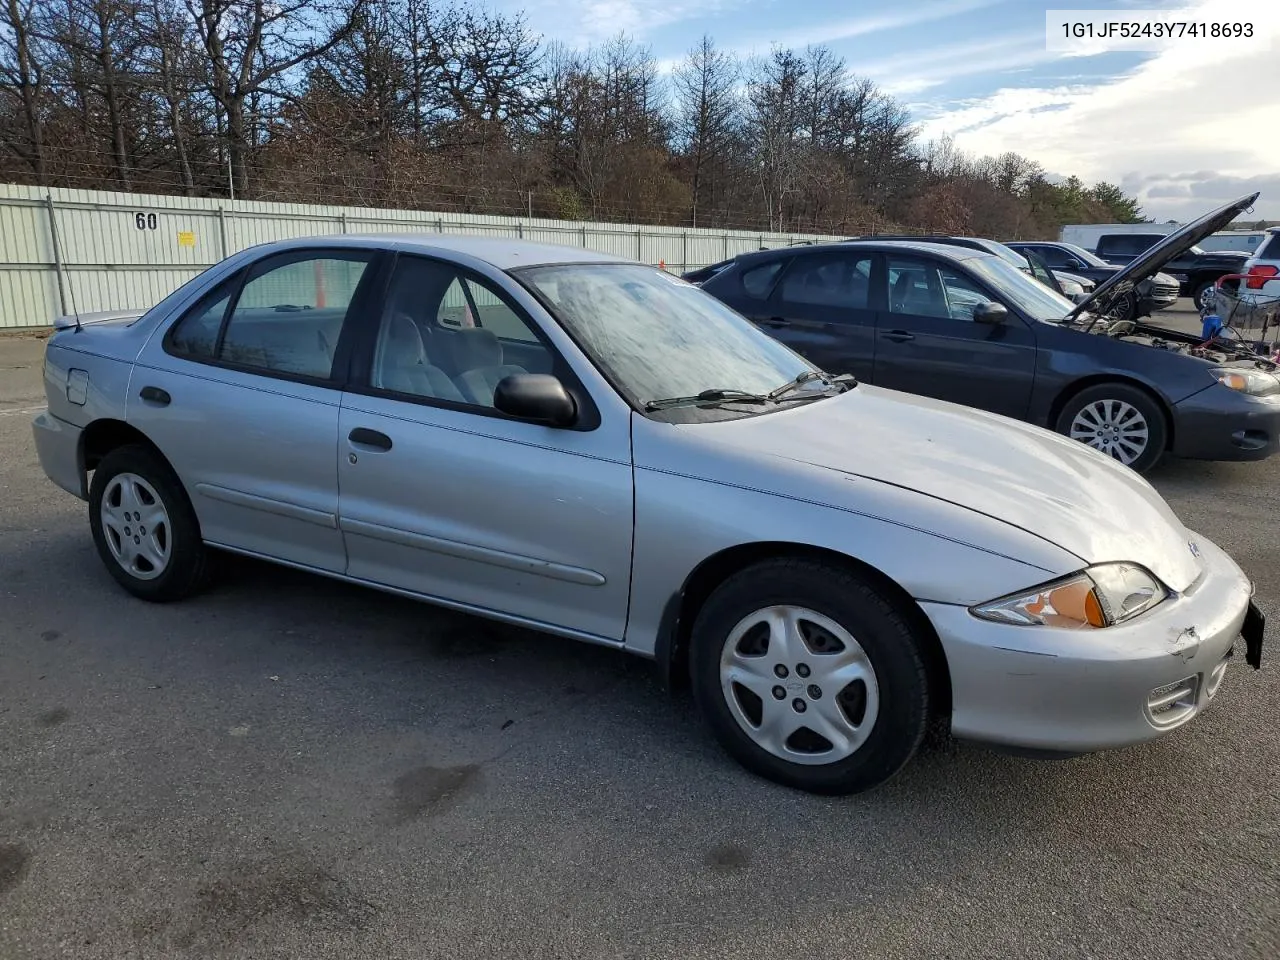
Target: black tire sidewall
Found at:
188, 556
1157, 424
1198, 292
879, 627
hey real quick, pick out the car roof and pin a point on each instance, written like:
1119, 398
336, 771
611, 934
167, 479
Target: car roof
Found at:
882, 246
954, 250
505, 253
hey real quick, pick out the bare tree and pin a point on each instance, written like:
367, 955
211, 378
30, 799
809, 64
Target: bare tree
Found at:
23, 79
775, 92
707, 117
253, 44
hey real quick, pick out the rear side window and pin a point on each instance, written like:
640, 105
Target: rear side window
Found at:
830, 281
1271, 249
1126, 244
758, 282
286, 319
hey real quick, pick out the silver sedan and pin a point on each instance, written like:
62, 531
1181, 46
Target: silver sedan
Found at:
590, 447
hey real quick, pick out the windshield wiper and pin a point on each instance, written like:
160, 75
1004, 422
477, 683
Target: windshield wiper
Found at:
845, 379
708, 397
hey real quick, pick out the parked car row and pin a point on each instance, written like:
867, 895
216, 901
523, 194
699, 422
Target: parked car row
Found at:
958, 320
1196, 270
590, 447
1160, 292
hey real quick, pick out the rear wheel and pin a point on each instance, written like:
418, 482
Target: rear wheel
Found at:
1201, 294
144, 526
1119, 420
810, 677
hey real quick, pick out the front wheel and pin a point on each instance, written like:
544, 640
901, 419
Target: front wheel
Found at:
810, 677
1119, 420
144, 526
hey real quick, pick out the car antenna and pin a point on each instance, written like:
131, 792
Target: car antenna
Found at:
57, 259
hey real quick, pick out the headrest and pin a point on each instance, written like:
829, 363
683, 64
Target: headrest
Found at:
404, 341
475, 347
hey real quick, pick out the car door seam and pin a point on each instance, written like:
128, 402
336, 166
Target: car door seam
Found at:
486, 436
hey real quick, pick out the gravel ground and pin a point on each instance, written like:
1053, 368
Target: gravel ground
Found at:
289, 767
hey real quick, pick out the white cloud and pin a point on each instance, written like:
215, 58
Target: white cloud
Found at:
1196, 106
923, 69
909, 15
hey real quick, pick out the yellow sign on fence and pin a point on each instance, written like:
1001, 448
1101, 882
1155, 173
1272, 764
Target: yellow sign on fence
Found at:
186, 238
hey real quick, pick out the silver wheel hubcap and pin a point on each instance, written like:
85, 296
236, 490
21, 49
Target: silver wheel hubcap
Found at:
135, 525
1114, 427
799, 684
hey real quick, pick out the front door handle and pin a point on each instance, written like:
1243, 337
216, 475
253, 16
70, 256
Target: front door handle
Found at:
155, 395
899, 336
370, 438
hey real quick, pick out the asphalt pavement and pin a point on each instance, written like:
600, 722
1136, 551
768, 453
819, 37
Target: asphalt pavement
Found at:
286, 767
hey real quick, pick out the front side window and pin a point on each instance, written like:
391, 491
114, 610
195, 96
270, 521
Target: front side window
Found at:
286, 318
656, 336
442, 335
1030, 296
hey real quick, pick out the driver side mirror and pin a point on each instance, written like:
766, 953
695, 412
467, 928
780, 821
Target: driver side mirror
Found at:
537, 397
993, 313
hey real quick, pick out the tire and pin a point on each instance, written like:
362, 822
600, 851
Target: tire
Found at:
1198, 293
881, 709
1103, 416
131, 487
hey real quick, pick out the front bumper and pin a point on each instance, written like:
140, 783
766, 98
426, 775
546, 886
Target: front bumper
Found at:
1219, 423
1076, 691
58, 446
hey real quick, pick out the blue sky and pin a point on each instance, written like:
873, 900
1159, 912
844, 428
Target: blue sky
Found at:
1177, 127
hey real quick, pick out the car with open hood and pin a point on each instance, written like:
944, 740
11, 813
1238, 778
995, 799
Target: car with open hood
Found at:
966, 326
1196, 270
589, 447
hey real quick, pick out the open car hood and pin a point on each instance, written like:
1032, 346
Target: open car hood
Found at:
1149, 263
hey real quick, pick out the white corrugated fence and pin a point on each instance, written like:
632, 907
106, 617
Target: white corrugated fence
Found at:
65, 251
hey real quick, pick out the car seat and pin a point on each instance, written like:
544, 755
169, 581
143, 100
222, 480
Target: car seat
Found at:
477, 356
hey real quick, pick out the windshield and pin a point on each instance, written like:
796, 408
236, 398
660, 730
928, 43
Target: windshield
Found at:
1009, 254
656, 336
1029, 295
1091, 259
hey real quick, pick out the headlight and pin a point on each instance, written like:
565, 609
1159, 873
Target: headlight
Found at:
1100, 596
1257, 383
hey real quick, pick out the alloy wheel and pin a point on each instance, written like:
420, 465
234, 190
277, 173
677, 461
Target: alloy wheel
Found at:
1114, 427
136, 526
799, 685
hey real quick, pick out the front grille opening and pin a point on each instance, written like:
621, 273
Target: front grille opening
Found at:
1172, 703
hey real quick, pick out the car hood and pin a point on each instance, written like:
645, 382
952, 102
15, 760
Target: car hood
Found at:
1055, 488
1149, 263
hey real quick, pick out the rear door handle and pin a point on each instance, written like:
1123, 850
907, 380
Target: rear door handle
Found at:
899, 336
370, 438
777, 322
155, 395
